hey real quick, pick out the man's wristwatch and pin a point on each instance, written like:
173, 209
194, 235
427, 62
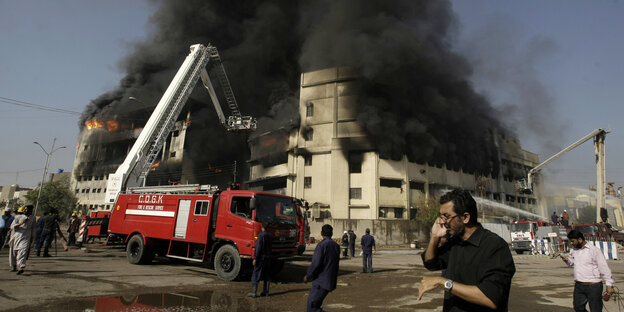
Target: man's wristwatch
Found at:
448, 285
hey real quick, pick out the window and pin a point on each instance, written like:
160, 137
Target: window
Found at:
99, 190
383, 212
355, 193
77, 191
310, 110
413, 213
175, 133
496, 196
201, 207
398, 213
87, 191
355, 163
308, 135
307, 159
172, 154
240, 207
307, 182
419, 186
390, 183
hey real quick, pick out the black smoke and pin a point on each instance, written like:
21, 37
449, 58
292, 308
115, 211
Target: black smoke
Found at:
414, 100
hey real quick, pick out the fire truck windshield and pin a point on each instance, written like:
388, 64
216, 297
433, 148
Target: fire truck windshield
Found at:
521, 227
275, 209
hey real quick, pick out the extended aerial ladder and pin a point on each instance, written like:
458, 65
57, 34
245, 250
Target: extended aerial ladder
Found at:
133, 171
526, 186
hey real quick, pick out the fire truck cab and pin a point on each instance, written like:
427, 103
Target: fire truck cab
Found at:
219, 228
523, 233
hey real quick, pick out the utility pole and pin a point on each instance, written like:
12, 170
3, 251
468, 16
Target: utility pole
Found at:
600, 173
45, 170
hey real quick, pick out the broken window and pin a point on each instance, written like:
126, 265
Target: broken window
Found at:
307, 182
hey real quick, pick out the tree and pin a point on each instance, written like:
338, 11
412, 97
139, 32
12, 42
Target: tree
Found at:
55, 195
587, 214
428, 212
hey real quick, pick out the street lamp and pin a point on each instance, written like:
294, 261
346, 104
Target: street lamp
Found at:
45, 169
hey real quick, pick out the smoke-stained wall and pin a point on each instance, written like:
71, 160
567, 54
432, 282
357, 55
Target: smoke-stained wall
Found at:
414, 100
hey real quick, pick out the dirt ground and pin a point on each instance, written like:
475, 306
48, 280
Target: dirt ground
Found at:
103, 280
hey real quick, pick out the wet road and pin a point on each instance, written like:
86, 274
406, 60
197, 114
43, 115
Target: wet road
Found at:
104, 281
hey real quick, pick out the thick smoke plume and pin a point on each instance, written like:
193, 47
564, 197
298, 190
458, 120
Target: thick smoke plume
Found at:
415, 98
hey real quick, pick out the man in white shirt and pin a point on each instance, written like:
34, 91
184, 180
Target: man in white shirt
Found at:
590, 268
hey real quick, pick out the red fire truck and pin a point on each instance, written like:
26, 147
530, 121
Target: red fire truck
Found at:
216, 227
193, 222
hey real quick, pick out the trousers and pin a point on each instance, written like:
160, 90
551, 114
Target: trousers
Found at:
367, 262
587, 293
315, 298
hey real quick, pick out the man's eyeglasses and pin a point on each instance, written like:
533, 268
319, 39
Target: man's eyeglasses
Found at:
447, 218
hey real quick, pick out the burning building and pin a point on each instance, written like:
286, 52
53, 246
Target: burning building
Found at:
383, 115
330, 161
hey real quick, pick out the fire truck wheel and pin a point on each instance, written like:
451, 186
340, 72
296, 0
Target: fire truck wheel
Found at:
137, 252
227, 262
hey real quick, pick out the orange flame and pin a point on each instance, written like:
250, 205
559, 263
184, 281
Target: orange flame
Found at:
112, 125
154, 166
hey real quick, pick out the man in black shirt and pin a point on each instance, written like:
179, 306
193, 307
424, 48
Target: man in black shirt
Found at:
478, 264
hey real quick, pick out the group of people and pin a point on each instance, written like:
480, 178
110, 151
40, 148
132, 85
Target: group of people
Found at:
23, 231
563, 220
476, 264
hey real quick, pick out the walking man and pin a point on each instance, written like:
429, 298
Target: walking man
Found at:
479, 266
352, 238
262, 263
22, 232
368, 248
590, 268
323, 272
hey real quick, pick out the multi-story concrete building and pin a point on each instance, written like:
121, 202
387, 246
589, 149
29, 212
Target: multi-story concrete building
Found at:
13, 196
329, 162
103, 147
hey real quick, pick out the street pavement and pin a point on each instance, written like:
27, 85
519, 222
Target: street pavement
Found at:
103, 280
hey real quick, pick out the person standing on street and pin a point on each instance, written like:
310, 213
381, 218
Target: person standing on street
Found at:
5, 225
590, 268
479, 266
345, 244
22, 232
323, 272
72, 229
352, 238
262, 263
368, 249
50, 225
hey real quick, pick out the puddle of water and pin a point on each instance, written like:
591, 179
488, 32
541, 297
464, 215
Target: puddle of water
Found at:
219, 301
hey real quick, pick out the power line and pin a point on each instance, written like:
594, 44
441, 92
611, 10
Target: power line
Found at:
37, 106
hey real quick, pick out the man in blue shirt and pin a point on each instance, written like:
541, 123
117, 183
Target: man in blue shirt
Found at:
368, 248
323, 272
262, 263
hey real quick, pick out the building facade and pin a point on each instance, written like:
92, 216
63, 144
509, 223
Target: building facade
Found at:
331, 164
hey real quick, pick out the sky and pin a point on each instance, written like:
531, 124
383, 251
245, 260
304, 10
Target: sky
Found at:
552, 69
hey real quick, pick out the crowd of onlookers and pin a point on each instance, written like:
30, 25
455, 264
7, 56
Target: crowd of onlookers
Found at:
22, 231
